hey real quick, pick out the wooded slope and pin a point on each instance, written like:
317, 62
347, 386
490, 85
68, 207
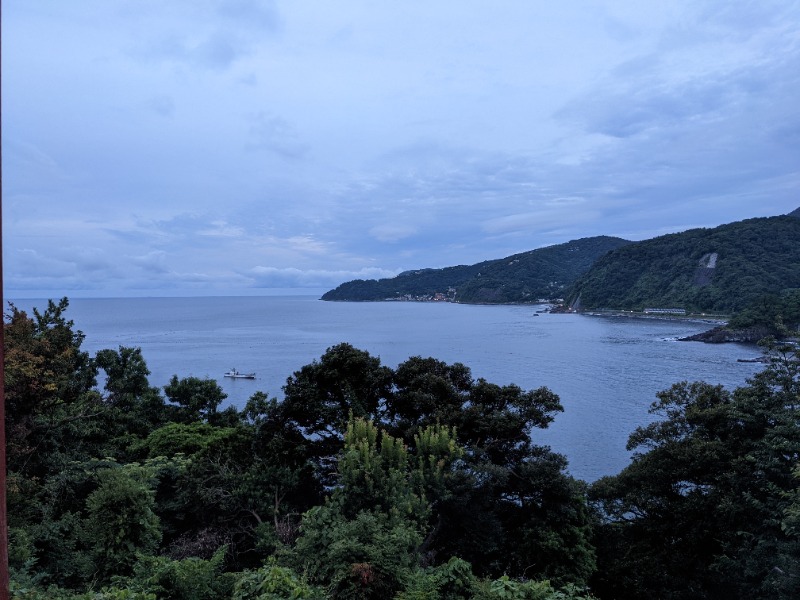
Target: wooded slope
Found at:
525, 277
723, 269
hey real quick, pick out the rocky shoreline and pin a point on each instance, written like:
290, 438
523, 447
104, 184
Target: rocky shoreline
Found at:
720, 334
723, 335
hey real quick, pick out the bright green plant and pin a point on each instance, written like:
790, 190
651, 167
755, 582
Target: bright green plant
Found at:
273, 582
120, 520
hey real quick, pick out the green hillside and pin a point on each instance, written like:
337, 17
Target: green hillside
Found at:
542, 273
526, 277
723, 269
422, 282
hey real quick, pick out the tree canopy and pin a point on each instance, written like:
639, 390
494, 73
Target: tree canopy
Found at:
366, 481
723, 269
521, 278
700, 512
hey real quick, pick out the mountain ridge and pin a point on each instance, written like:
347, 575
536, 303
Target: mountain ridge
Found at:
718, 269
525, 277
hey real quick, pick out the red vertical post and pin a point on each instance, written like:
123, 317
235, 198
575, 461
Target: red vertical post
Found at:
4, 591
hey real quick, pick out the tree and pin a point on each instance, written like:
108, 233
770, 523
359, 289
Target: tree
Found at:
48, 383
319, 397
512, 509
135, 408
279, 482
121, 522
366, 539
197, 399
273, 582
697, 513
126, 373
186, 579
427, 391
478, 516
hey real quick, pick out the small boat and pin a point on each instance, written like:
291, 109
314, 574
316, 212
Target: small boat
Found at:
233, 373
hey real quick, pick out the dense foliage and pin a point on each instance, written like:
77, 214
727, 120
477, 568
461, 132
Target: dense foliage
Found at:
527, 277
707, 508
417, 482
364, 482
419, 283
780, 313
724, 269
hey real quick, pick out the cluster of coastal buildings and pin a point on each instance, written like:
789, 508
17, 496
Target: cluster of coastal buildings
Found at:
664, 311
437, 297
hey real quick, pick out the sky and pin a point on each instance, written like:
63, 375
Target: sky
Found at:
218, 147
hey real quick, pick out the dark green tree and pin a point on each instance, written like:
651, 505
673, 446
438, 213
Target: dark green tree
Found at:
135, 408
121, 522
196, 399
481, 516
48, 388
365, 541
698, 512
126, 373
513, 508
319, 397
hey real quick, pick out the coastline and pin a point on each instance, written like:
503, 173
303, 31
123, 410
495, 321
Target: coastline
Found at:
714, 320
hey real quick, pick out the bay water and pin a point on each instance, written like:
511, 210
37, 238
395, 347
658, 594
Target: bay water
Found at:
606, 369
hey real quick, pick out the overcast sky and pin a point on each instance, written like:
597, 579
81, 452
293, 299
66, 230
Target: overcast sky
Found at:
188, 147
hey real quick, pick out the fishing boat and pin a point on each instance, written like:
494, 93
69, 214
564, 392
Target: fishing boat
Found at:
234, 374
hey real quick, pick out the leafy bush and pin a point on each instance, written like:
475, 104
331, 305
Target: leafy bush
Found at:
273, 582
187, 579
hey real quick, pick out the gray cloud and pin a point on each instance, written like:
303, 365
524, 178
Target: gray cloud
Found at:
275, 134
153, 262
222, 145
218, 50
272, 277
260, 15
162, 105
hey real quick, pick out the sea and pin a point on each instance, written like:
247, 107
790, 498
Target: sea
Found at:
606, 370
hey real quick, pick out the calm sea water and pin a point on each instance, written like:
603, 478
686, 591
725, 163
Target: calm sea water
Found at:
606, 370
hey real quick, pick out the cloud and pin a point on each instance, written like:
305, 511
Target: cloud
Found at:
163, 105
709, 69
218, 50
259, 15
273, 277
307, 244
31, 169
152, 262
26, 262
275, 134
316, 141
76, 268
392, 232
222, 229
558, 215
211, 35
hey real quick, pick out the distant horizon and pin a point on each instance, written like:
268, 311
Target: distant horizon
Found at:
205, 148
11, 296
269, 291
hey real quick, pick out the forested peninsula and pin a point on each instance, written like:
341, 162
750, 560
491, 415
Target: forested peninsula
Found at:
370, 482
527, 277
748, 271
